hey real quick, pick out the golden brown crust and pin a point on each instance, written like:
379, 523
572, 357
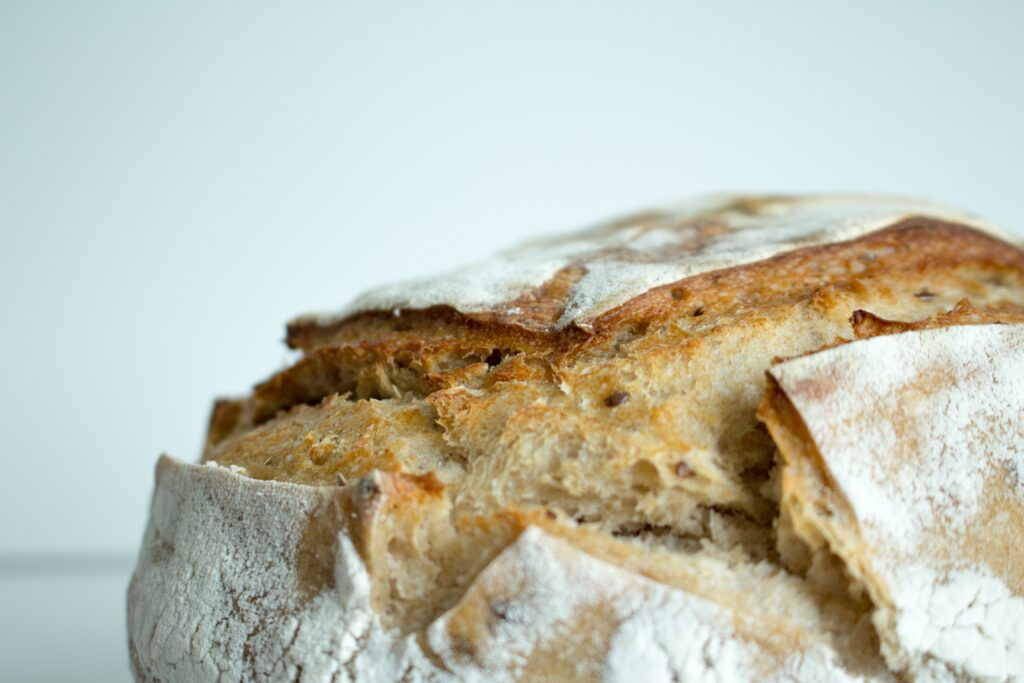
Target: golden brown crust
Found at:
642, 427
394, 384
376, 355
914, 245
629, 434
639, 424
866, 324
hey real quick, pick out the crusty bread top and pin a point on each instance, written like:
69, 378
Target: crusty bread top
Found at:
576, 278
384, 381
622, 424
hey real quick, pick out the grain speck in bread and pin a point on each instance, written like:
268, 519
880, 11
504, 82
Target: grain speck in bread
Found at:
550, 466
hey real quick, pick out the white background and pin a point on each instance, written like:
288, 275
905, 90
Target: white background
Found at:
179, 179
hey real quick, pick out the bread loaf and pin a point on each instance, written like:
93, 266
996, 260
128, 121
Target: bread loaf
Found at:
743, 439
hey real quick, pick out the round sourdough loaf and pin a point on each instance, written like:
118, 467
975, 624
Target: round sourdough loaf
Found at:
742, 439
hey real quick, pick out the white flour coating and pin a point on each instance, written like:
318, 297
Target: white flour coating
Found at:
626, 258
875, 404
663, 634
215, 597
911, 427
967, 617
215, 592
552, 583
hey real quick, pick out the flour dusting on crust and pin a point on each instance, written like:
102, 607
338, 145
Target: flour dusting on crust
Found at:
218, 596
549, 594
920, 437
922, 434
625, 258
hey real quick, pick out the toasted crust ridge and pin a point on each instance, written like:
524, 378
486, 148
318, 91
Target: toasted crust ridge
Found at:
571, 282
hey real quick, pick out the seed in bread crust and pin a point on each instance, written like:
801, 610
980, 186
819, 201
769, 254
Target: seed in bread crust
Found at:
367, 487
500, 610
616, 399
683, 470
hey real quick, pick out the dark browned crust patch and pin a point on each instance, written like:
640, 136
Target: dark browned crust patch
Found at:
915, 244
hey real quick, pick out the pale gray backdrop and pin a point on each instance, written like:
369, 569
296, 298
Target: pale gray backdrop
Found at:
177, 179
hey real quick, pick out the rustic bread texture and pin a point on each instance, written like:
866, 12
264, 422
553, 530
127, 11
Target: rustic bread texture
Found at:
242, 579
594, 402
903, 455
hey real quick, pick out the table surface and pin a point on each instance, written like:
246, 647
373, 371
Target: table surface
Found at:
64, 621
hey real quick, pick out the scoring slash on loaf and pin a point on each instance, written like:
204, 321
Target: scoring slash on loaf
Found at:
587, 459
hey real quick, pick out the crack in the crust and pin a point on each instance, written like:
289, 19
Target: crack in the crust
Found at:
682, 540
350, 663
332, 655
291, 641
405, 376
429, 652
648, 533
